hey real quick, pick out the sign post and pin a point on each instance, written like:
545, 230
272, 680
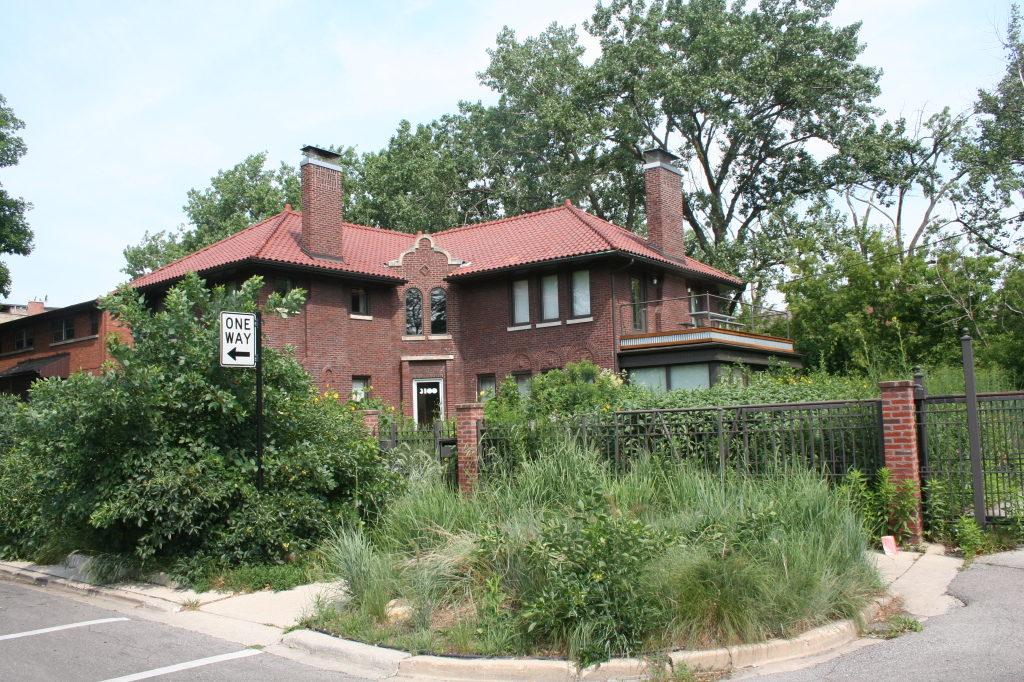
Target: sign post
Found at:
241, 345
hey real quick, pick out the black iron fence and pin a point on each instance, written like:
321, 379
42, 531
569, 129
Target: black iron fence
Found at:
829, 437
944, 436
438, 437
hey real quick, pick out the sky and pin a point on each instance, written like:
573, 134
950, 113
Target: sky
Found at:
128, 105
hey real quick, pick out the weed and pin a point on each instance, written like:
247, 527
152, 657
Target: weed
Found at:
192, 604
900, 624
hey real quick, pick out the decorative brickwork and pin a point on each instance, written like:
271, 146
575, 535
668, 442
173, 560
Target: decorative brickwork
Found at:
899, 434
468, 418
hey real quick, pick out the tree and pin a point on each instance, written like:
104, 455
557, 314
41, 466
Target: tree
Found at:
746, 92
995, 188
15, 235
154, 458
236, 199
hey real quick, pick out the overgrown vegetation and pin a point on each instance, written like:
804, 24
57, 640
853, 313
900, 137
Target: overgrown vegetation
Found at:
153, 460
564, 558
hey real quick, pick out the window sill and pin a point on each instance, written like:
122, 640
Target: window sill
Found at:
414, 338
519, 328
556, 323
360, 317
81, 338
578, 320
440, 337
20, 350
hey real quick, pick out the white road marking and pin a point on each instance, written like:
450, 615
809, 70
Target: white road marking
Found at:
166, 670
60, 627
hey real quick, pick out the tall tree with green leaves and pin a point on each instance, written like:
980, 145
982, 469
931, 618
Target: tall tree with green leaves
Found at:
993, 195
235, 199
15, 235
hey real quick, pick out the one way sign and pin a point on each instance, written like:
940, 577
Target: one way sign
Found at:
237, 339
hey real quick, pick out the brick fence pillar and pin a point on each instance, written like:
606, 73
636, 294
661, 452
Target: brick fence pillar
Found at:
899, 436
468, 416
371, 420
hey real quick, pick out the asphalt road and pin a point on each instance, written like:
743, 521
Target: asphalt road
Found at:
983, 641
126, 647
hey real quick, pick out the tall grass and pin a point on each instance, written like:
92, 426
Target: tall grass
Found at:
563, 556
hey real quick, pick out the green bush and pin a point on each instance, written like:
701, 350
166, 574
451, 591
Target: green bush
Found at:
886, 507
154, 458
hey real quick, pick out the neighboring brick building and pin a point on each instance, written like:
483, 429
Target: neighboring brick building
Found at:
431, 320
53, 342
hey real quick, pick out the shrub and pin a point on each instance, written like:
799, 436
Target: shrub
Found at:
154, 458
562, 555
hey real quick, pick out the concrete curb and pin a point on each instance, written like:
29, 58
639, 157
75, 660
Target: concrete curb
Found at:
26, 575
391, 662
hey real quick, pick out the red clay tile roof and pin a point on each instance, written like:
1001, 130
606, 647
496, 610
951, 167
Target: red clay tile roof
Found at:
548, 235
278, 239
538, 237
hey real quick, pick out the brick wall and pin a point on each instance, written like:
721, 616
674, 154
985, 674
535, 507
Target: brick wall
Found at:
87, 350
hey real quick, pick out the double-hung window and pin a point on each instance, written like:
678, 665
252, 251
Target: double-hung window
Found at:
24, 338
520, 302
63, 329
360, 388
549, 297
580, 293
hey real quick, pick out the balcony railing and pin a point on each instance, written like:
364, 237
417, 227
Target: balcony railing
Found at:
701, 311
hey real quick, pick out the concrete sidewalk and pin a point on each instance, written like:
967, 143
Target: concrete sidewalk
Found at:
265, 618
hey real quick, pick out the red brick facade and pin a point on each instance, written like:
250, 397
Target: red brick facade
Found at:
75, 337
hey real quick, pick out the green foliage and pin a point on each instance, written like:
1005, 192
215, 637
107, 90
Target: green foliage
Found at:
15, 235
154, 458
236, 198
885, 506
970, 538
899, 625
562, 555
589, 601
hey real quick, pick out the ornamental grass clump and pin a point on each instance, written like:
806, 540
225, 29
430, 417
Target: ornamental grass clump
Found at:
560, 557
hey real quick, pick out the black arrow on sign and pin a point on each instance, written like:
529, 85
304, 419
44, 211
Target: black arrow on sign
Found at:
234, 353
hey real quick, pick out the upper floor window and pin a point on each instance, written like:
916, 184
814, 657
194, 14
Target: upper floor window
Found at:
94, 323
24, 338
549, 297
360, 302
581, 293
283, 285
637, 298
438, 311
520, 301
64, 329
413, 312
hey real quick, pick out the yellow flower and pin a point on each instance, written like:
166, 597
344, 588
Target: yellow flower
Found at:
335, 395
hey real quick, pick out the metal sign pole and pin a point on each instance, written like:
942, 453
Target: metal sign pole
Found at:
259, 402
973, 436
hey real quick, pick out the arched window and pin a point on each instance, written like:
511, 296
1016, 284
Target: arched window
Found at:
438, 311
413, 313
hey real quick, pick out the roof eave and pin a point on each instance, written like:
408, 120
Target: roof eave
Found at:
328, 272
598, 254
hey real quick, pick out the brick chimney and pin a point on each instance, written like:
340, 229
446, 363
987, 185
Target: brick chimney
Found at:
321, 204
664, 203
36, 307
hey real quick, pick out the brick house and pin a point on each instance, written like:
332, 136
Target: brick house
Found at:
432, 320
53, 342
